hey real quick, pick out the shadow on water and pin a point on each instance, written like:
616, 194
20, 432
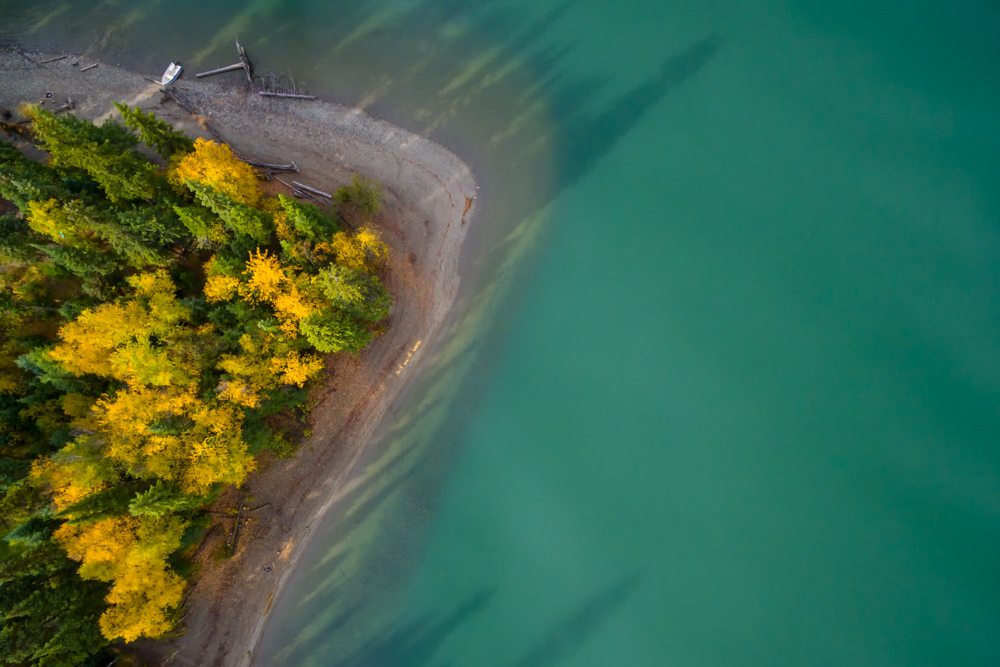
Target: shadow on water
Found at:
301, 652
414, 643
368, 497
566, 636
586, 141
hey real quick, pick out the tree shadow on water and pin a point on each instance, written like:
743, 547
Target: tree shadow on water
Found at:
585, 141
566, 636
299, 653
414, 643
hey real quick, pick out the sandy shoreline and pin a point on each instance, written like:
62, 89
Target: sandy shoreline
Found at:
429, 204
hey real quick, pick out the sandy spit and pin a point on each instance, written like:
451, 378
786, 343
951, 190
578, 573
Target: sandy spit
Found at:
429, 206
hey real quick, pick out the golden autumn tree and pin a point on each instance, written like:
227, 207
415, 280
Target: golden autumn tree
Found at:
77, 470
142, 340
362, 251
171, 434
130, 553
216, 166
51, 219
265, 362
290, 294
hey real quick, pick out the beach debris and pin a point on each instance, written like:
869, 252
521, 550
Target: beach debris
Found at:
236, 526
84, 69
468, 205
284, 86
268, 166
305, 192
52, 60
313, 190
170, 75
247, 65
69, 106
268, 569
221, 70
293, 96
181, 102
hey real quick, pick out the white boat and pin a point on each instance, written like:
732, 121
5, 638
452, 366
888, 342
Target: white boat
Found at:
173, 71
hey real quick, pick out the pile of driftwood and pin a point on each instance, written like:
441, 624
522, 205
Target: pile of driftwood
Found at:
302, 191
269, 85
268, 170
244, 64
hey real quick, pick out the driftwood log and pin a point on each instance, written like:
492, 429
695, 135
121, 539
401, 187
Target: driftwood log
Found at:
272, 167
247, 65
312, 190
236, 527
299, 193
70, 104
294, 96
227, 68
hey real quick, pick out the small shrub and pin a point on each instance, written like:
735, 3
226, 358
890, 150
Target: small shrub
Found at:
282, 447
364, 195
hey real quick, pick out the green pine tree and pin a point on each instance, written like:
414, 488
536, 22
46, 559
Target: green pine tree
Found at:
154, 132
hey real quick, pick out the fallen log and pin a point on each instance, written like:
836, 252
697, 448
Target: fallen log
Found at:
227, 68
236, 527
204, 540
272, 167
299, 193
247, 65
294, 96
84, 69
313, 190
181, 102
302, 194
52, 60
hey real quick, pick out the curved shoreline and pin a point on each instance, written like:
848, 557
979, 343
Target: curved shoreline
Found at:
430, 200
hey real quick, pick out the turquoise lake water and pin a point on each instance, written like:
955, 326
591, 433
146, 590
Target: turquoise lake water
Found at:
723, 387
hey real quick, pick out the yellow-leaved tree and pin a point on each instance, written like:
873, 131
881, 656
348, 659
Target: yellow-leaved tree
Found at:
145, 340
51, 219
266, 362
172, 434
362, 251
130, 553
292, 297
75, 471
216, 166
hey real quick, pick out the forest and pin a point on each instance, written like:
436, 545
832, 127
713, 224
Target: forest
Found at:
156, 308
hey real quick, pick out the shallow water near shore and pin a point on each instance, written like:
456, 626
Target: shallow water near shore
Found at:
722, 387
